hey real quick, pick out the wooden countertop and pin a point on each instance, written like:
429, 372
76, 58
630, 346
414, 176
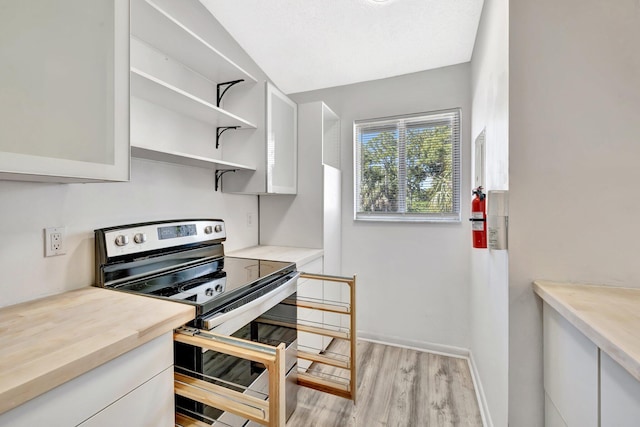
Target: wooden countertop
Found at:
300, 256
608, 316
52, 340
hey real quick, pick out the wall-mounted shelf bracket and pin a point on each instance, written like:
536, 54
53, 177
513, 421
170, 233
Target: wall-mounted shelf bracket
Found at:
220, 130
219, 174
226, 86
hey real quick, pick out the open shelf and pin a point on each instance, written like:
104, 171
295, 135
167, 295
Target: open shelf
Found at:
159, 29
162, 93
185, 159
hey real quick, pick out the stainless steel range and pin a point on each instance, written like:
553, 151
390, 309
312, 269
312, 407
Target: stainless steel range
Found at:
183, 261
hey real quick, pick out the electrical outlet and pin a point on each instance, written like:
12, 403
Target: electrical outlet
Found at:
249, 219
54, 241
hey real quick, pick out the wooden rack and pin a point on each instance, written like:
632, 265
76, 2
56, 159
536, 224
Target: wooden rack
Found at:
270, 413
306, 379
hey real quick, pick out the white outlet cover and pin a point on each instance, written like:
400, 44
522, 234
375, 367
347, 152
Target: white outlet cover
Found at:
50, 246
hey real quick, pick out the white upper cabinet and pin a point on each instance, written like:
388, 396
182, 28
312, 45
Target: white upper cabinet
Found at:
330, 138
64, 90
276, 158
282, 142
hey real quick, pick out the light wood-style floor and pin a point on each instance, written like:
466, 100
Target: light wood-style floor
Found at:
396, 387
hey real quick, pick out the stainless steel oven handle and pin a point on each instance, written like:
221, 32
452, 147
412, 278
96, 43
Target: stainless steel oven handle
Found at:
228, 323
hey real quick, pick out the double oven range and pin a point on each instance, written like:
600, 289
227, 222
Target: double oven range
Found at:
183, 261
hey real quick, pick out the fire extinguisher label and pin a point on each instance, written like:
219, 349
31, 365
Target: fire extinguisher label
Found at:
477, 225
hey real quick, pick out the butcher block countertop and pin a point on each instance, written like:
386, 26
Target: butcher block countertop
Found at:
608, 316
300, 256
49, 341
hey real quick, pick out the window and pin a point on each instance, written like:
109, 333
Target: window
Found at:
408, 168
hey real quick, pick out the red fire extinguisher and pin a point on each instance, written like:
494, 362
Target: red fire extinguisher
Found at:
479, 219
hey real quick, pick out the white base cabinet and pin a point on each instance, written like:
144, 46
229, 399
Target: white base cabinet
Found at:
583, 385
619, 395
570, 372
134, 389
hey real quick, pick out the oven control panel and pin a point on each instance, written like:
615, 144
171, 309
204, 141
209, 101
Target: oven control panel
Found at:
133, 239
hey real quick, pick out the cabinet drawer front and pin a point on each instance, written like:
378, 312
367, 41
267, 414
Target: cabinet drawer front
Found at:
150, 405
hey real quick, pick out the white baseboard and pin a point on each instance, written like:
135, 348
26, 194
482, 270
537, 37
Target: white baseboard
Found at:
444, 350
482, 399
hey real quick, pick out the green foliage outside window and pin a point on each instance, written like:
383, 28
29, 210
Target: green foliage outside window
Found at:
408, 168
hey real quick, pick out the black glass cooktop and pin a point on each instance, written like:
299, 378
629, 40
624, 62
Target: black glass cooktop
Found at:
211, 284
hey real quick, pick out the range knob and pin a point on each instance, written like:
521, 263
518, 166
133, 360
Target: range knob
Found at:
208, 292
208, 229
218, 228
122, 240
219, 288
140, 238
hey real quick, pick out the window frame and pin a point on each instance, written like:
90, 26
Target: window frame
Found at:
382, 122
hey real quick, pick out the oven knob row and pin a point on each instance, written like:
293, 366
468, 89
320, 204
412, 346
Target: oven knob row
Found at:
209, 229
122, 240
140, 238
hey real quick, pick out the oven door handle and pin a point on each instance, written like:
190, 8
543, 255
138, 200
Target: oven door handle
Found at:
230, 322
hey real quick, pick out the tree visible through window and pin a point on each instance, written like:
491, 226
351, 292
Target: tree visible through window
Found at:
408, 168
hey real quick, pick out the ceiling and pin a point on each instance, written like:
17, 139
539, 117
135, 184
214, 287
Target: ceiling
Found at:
312, 44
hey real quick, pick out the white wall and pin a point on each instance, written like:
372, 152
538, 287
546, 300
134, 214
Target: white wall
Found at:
412, 278
574, 133
156, 190
489, 316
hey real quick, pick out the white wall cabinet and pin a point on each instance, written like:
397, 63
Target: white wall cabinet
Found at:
135, 388
282, 142
176, 69
64, 90
277, 163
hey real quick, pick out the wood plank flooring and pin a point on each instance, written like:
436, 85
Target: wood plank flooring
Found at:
396, 387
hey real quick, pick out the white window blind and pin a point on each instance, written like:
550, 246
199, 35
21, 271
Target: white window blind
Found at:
407, 168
